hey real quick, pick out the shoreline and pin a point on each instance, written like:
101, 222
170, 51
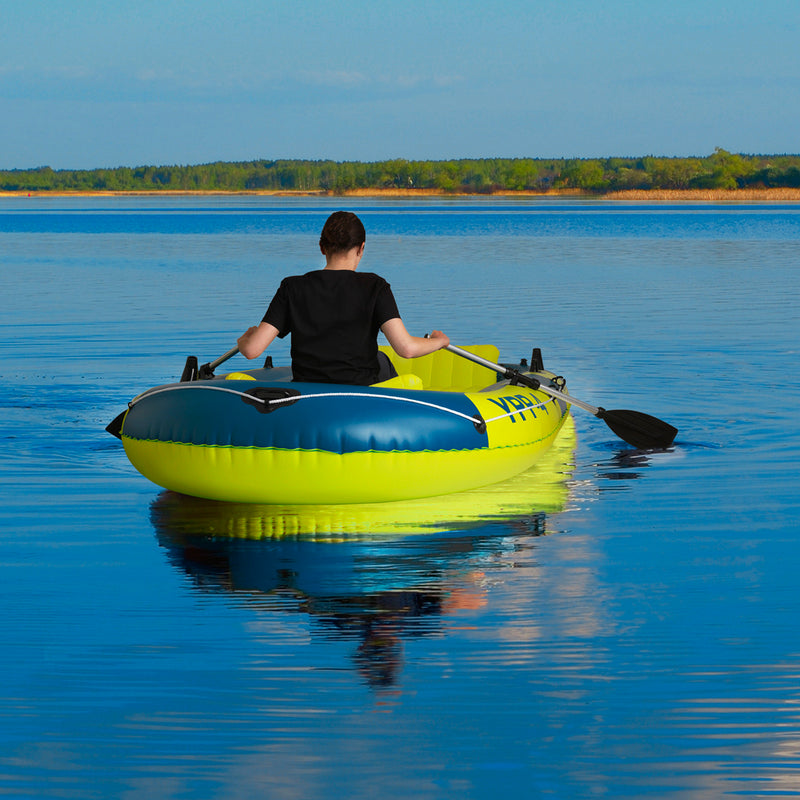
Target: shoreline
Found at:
782, 194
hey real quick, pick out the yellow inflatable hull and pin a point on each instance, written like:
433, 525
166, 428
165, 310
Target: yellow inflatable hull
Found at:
522, 500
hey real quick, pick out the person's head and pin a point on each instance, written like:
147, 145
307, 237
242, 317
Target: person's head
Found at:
342, 231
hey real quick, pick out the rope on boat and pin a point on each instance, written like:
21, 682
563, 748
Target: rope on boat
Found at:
410, 400
198, 385
294, 398
277, 400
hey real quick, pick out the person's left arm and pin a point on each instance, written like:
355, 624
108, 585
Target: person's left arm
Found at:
408, 346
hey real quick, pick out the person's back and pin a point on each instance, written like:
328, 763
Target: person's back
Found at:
334, 315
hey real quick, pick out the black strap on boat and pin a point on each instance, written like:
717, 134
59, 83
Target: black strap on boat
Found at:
480, 423
262, 398
516, 378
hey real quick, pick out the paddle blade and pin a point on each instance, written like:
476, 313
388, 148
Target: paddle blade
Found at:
640, 430
115, 426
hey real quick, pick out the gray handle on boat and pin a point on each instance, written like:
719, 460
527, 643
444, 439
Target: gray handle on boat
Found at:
510, 373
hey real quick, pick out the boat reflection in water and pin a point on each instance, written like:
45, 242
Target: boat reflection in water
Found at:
374, 573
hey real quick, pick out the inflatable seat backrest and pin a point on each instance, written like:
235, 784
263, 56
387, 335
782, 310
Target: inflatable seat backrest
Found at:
405, 381
444, 371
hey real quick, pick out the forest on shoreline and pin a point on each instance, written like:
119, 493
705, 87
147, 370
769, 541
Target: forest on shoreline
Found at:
720, 171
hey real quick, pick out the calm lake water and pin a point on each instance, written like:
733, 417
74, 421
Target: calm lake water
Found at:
630, 627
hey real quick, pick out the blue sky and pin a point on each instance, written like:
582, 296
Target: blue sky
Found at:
91, 83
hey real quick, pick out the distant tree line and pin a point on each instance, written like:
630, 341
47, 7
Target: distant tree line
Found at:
720, 170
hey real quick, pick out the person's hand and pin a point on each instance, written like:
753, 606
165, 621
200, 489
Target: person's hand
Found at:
442, 339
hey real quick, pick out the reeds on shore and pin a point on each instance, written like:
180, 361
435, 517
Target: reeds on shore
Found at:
773, 195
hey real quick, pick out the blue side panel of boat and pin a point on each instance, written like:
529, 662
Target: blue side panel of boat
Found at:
361, 419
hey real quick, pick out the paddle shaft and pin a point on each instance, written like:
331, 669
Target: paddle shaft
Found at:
510, 373
222, 359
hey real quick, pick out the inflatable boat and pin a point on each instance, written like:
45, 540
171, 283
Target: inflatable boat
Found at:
445, 424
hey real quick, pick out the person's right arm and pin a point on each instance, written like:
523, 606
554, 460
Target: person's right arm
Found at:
255, 340
408, 346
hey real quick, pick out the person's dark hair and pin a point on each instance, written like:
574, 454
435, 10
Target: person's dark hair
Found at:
342, 231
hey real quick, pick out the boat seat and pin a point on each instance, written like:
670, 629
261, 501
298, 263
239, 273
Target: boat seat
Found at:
444, 371
406, 381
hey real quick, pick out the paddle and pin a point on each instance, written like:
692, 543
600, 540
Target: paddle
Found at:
640, 430
207, 370
191, 372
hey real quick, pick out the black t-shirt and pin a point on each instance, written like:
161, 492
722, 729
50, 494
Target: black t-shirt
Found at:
334, 317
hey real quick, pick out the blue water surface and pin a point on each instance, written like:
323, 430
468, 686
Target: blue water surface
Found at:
634, 631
